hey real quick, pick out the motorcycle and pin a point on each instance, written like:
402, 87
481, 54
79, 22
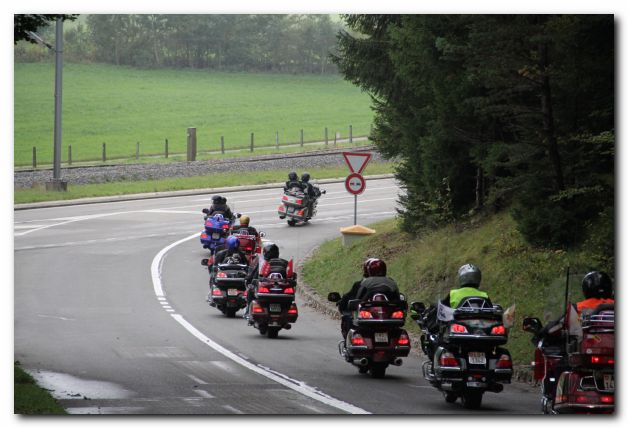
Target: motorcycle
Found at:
249, 244
297, 207
228, 286
215, 234
375, 339
465, 357
274, 307
576, 370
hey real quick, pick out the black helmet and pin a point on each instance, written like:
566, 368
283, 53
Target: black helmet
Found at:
271, 251
469, 275
597, 285
305, 177
292, 176
216, 199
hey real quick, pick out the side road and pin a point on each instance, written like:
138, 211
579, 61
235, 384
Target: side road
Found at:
153, 195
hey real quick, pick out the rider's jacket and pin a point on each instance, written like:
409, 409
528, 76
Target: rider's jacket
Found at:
592, 303
378, 284
223, 255
456, 295
220, 209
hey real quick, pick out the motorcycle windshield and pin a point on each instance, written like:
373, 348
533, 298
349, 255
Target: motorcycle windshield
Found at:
564, 289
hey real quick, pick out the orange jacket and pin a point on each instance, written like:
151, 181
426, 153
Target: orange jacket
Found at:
592, 303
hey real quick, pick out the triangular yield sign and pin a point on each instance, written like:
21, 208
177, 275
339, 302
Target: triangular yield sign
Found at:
357, 161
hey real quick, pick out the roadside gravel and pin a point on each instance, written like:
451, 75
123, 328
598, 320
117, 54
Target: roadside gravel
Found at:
138, 172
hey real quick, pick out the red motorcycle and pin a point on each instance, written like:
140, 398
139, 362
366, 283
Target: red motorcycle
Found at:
577, 370
376, 338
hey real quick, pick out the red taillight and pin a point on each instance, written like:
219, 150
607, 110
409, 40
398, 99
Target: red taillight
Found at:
248, 248
301, 212
397, 314
225, 226
216, 292
290, 269
357, 340
585, 399
246, 293
288, 290
599, 359
221, 275
258, 250
447, 359
607, 399
299, 201
498, 329
403, 340
293, 310
458, 328
284, 198
203, 235
257, 309
504, 362
365, 314
281, 208
261, 289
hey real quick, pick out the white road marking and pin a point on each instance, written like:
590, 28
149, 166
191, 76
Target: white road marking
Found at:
233, 409
56, 317
197, 380
203, 393
155, 268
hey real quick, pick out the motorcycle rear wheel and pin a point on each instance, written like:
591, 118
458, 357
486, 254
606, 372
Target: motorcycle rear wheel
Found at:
273, 332
378, 370
472, 399
291, 222
263, 329
450, 397
231, 312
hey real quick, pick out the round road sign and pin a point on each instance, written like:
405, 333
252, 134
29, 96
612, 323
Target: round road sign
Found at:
355, 184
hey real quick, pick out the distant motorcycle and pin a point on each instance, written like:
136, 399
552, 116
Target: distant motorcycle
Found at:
376, 338
578, 375
228, 286
465, 357
297, 207
274, 307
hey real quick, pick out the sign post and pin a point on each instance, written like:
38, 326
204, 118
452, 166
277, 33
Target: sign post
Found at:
355, 183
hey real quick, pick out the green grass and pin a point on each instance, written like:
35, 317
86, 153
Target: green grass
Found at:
29, 398
183, 183
120, 106
425, 269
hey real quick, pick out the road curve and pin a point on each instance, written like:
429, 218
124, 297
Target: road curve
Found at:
110, 315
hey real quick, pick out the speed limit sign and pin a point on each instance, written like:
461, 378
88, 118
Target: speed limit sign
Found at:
355, 184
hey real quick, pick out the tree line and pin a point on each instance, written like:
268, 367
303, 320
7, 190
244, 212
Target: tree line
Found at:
493, 112
296, 43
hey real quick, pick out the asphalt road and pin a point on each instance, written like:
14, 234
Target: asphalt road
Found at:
110, 314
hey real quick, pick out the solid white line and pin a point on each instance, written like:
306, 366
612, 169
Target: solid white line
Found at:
155, 267
300, 387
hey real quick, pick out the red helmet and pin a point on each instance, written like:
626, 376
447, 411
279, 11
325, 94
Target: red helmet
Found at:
374, 267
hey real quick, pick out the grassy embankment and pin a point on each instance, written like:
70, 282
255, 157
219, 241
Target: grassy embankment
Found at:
39, 194
425, 268
30, 399
120, 106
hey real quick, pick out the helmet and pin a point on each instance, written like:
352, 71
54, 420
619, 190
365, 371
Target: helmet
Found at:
233, 243
216, 199
271, 251
219, 217
374, 267
244, 220
597, 284
305, 177
469, 275
292, 176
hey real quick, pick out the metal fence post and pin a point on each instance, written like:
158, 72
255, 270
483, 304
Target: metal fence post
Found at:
166, 148
252, 138
335, 138
70, 154
104, 152
222, 144
191, 144
326, 139
34, 157
137, 151
277, 139
350, 134
301, 138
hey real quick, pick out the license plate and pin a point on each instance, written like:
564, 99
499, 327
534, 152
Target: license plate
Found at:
381, 337
232, 292
477, 358
290, 209
215, 235
609, 382
275, 307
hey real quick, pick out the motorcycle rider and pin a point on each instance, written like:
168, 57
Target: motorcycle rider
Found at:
271, 263
231, 254
293, 181
373, 280
311, 191
597, 288
219, 206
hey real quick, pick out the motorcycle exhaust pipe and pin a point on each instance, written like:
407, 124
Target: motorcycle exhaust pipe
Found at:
362, 362
397, 362
287, 326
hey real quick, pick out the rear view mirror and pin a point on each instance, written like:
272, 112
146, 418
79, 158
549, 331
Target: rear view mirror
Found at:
205, 211
204, 262
262, 234
532, 325
333, 297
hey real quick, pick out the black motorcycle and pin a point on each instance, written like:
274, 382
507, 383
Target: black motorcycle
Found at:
228, 286
375, 339
274, 307
465, 357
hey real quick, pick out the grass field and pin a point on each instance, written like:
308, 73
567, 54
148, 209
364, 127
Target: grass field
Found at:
121, 106
31, 399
